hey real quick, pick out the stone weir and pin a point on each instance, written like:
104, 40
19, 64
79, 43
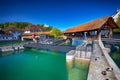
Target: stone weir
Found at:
82, 51
62, 48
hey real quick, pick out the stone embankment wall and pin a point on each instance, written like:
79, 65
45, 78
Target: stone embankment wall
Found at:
82, 51
11, 48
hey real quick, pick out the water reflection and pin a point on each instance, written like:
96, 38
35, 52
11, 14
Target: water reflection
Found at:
10, 53
78, 69
116, 55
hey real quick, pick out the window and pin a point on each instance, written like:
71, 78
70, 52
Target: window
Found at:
93, 33
103, 32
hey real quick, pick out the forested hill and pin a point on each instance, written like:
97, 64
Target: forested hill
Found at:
22, 25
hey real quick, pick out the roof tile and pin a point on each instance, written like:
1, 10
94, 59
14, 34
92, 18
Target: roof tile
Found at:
92, 25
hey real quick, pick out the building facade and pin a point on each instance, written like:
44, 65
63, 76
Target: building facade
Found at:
115, 16
6, 36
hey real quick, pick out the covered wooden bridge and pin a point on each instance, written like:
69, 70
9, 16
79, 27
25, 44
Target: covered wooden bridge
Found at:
93, 29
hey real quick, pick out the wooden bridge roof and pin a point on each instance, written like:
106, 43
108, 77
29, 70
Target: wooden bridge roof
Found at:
93, 25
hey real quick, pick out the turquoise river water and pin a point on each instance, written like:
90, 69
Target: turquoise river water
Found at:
32, 64
115, 54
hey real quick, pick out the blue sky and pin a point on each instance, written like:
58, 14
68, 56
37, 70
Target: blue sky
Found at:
62, 14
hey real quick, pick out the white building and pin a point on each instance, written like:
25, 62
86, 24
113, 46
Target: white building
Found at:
115, 16
6, 36
10, 33
16, 34
14, 31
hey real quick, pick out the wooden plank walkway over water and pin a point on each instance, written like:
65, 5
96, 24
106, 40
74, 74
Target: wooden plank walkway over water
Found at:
98, 64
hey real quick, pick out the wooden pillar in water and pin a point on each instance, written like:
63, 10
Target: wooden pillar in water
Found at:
98, 35
22, 39
85, 35
110, 33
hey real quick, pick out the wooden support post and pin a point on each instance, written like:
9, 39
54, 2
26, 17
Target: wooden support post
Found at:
110, 33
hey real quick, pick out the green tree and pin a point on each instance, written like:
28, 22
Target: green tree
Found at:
2, 26
6, 24
41, 26
22, 25
55, 32
118, 23
47, 28
19, 25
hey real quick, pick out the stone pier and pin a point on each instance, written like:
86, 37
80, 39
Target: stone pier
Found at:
11, 48
99, 64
